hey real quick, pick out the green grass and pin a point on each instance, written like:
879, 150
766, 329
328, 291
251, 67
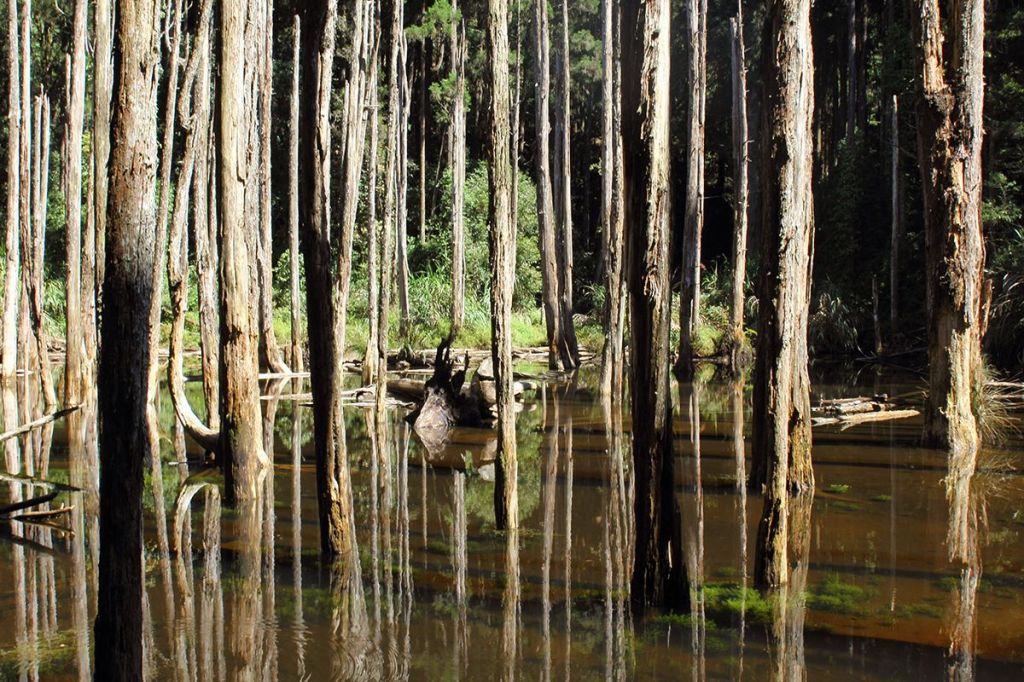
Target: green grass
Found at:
837, 488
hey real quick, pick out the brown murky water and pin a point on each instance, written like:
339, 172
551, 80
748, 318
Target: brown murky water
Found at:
438, 594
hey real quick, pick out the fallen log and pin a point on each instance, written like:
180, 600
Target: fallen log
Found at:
849, 420
35, 424
26, 504
41, 514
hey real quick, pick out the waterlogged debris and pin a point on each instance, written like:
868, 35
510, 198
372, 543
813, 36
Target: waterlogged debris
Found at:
851, 411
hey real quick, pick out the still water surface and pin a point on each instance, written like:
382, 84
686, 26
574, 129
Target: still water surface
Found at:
439, 594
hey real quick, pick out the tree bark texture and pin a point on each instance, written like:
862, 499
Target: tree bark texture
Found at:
103, 19
317, 49
293, 201
75, 372
399, 129
241, 424
8, 347
128, 290
373, 224
949, 139
502, 244
697, 79
659, 574
897, 230
740, 189
782, 409
611, 201
457, 154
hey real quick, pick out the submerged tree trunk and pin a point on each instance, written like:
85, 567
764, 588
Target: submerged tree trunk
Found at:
740, 190
457, 153
293, 201
611, 201
949, 139
125, 342
782, 405
659, 574
8, 348
503, 264
697, 78
241, 423
318, 27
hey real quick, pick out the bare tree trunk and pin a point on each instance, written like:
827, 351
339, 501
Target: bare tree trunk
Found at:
740, 189
25, 185
457, 153
949, 134
782, 406
241, 445
318, 27
503, 264
293, 200
422, 137
265, 244
896, 234
373, 229
103, 19
697, 79
852, 69
516, 97
14, 125
611, 201
558, 352
36, 282
204, 220
400, 129
659, 574
123, 388
562, 189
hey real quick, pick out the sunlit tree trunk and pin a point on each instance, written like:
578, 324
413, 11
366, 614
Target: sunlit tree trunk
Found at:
782, 406
659, 574
373, 224
317, 50
293, 201
241, 446
128, 290
697, 79
949, 139
502, 243
10, 309
102, 82
611, 200
562, 190
36, 281
740, 189
457, 153
399, 128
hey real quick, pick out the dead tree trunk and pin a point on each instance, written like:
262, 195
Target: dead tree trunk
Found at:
558, 351
39, 250
697, 78
74, 373
949, 139
421, 140
400, 129
265, 246
896, 234
562, 189
128, 290
502, 244
516, 97
738, 355
102, 83
318, 27
659, 574
9, 331
241, 446
373, 225
25, 185
293, 200
457, 154
782, 406
611, 201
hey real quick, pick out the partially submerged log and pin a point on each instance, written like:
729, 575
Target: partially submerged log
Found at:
859, 410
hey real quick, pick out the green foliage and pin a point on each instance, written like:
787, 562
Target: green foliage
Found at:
832, 326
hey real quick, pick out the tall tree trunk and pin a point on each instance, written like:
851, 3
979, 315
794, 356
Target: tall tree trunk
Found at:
373, 224
562, 186
422, 136
502, 244
269, 348
39, 248
895, 215
25, 185
457, 153
400, 129
740, 189
318, 27
102, 81
293, 200
516, 101
782, 405
659, 574
558, 351
241, 423
611, 201
697, 79
852, 68
949, 139
127, 291
9, 331
204, 220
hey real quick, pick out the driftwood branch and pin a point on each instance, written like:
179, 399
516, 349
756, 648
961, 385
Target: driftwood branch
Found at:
35, 424
26, 504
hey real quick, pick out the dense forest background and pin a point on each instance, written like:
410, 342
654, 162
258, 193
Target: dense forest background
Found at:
863, 64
